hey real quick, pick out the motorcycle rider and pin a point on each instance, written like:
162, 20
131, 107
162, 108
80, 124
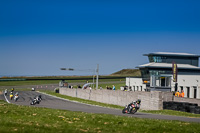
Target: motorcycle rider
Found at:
6, 92
135, 103
16, 96
38, 98
11, 95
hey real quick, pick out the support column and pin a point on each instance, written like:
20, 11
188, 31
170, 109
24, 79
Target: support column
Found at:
179, 89
198, 92
191, 92
185, 91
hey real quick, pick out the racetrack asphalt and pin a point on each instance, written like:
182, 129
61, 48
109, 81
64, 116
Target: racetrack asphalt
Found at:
48, 101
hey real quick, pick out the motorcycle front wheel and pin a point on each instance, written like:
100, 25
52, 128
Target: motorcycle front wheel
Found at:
133, 111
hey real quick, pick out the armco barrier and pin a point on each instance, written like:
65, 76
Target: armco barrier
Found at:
150, 100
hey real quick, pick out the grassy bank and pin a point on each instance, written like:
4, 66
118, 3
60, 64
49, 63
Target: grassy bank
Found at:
16, 118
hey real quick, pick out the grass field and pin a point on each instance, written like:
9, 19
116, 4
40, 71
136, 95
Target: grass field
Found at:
40, 82
16, 118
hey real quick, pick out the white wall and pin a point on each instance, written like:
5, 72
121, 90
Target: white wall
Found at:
190, 81
135, 83
185, 81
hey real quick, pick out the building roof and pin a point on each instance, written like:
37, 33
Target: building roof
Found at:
172, 54
168, 65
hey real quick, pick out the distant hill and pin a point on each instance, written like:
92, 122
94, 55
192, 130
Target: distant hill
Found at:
128, 72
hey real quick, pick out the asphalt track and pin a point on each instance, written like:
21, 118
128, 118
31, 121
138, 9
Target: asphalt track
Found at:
59, 103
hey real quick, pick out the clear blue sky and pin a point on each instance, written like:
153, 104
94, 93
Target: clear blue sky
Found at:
37, 37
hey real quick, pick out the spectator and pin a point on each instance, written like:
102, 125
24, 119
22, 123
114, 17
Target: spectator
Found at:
101, 88
177, 94
113, 87
182, 94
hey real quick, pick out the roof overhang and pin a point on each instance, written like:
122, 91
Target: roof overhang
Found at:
172, 54
168, 66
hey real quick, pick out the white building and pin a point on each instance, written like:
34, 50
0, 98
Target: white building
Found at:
158, 74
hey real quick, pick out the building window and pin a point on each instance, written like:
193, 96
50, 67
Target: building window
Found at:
181, 88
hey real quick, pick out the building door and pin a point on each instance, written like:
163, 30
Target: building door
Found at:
195, 92
188, 92
162, 81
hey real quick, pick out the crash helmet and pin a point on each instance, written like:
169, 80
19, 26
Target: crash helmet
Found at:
16, 93
138, 101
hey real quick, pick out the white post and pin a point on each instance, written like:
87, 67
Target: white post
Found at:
191, 92
198, 92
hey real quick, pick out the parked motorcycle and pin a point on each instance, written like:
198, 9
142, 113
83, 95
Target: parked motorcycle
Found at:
36, 100
132, 108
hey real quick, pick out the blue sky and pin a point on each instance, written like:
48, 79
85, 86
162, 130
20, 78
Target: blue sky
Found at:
39, 37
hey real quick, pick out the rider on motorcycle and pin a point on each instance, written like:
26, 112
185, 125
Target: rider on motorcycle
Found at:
16, 94
135, 103
38, 98
6, 91
11, 95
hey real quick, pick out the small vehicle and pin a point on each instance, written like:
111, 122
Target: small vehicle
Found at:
16, 97
132, 108
11, 96
36, 100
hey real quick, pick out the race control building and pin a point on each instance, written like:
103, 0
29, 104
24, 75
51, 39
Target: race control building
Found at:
158, 74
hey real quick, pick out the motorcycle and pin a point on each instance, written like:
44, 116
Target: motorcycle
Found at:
16, 98
6, 92
132, 108
11, 96
36, 100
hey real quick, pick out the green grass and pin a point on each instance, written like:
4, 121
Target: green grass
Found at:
171, 112
40, 82
16, 118
37, 82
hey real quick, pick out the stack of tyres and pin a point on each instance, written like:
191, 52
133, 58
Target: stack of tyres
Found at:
175, 106
170, 105
182, 106
197, 110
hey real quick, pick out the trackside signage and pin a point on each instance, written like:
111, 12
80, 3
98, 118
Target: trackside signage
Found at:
174, 71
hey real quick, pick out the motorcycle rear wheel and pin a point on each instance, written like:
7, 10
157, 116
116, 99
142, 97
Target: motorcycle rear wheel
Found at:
125, 110
133, 111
